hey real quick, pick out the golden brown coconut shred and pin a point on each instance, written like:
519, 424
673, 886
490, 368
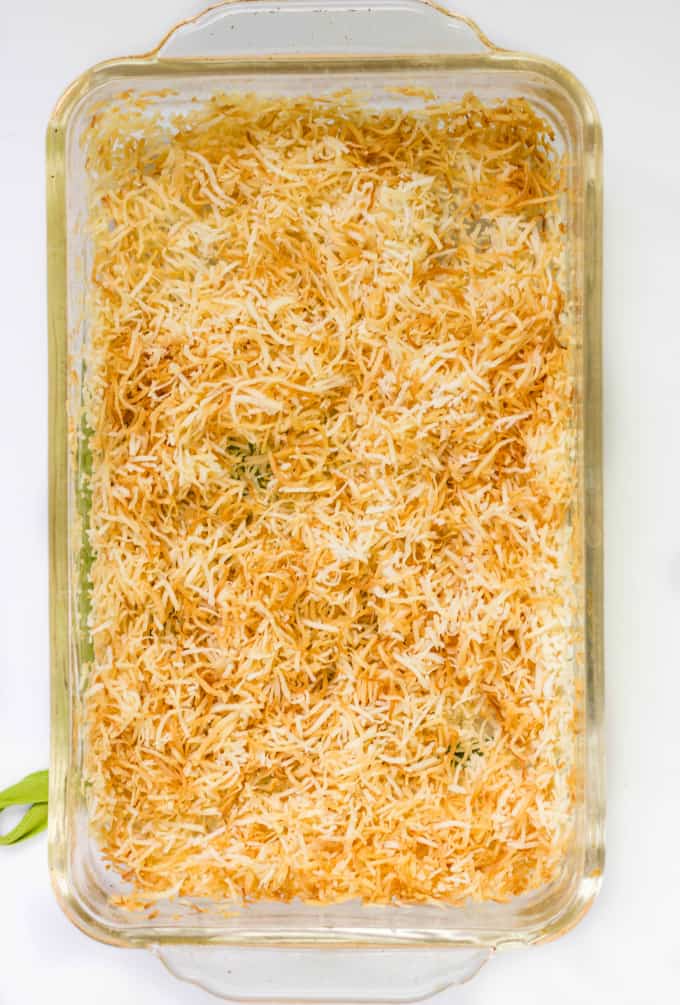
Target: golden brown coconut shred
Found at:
332, 589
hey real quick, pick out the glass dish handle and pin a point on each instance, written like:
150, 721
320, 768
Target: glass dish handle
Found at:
257, 974
262, 28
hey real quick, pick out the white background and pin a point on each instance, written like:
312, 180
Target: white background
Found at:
627, 951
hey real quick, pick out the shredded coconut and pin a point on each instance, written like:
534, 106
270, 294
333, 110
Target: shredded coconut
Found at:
329, 404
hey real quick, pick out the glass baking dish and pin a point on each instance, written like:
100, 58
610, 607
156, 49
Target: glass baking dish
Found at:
296, 951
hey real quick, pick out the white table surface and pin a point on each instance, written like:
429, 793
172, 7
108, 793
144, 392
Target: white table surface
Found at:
627, 950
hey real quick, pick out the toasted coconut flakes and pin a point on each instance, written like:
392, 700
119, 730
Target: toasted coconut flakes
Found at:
333, 584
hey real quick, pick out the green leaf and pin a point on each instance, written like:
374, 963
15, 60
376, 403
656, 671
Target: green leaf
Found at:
462, 754
33, 822
31, 789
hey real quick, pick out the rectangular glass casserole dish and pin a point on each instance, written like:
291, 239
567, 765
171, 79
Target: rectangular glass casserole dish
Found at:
293, 49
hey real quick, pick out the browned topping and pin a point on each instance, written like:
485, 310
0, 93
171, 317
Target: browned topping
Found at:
332, 586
